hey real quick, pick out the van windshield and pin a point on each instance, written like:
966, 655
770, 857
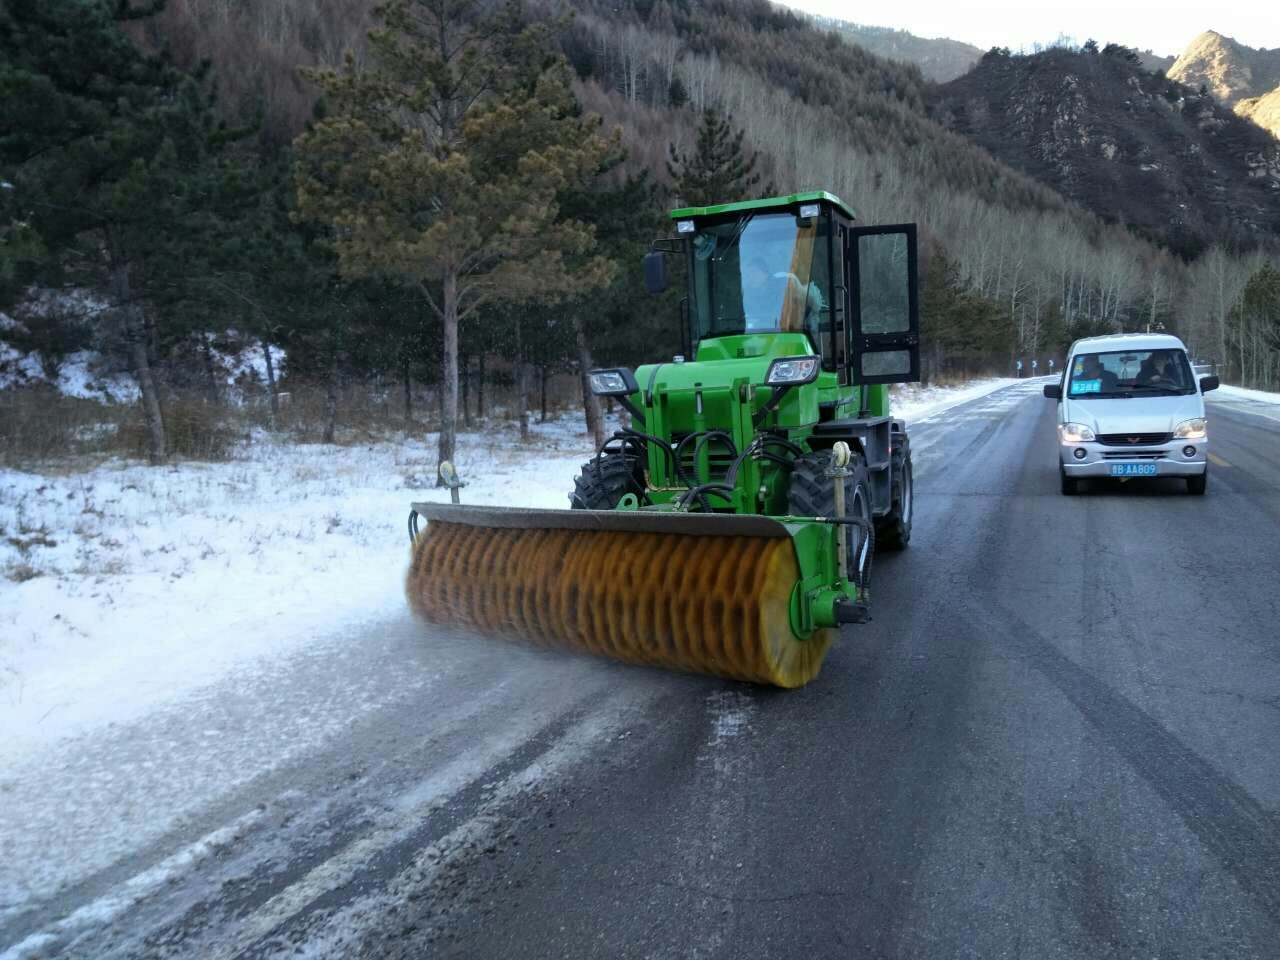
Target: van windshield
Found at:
1130, 373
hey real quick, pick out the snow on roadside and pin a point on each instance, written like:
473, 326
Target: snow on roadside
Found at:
914, 402
126, 586
1244, 393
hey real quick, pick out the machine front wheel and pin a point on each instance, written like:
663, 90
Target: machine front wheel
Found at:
605, 481
812, 494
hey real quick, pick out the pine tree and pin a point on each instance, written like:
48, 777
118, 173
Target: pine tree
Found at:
720, 171
440, 166
1253, 328
119, 164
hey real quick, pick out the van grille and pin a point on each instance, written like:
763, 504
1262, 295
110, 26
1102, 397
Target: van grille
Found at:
1133, 455
1133, 439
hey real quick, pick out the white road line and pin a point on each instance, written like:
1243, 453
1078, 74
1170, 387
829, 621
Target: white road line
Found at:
336, 933
105, 909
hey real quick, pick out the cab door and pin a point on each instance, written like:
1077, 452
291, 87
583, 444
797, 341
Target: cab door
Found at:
884, 323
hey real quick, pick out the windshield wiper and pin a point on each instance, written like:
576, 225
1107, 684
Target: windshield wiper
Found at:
1157, 386
732, 242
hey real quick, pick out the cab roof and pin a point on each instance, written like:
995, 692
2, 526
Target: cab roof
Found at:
1128, 341
768, 203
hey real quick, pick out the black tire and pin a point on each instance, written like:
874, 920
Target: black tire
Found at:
893, 531
811, 494
1070, 485
603, 482
1197, 485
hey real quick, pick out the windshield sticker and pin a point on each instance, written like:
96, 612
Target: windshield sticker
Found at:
1086, 386
1079, 367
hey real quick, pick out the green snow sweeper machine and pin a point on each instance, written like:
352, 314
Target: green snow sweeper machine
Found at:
730, 528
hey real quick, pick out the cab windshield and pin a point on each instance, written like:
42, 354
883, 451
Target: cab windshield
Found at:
1130, 373
761, 273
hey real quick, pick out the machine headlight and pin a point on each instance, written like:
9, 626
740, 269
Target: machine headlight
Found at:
790, 371
1069, 433
619, 382
1190, 429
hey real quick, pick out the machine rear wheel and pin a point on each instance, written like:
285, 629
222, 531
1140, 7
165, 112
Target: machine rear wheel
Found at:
812, 494
894, 531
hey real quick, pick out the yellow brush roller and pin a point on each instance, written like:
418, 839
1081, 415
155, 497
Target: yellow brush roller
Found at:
708, 593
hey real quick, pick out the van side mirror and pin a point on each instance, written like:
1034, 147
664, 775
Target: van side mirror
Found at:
1053, 391
1209, 383
655, 272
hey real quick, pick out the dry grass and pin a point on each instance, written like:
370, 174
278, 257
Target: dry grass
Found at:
42, 429
21, 572
39, 425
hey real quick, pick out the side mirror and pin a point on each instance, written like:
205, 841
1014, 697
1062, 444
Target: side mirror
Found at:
1209, 383
655, 272
1053, 391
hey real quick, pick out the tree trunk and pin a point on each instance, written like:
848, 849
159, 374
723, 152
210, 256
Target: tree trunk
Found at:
136, 337
210, 375
522, 384
464, 364
273, 396
590, 402
449, 375
150, 393
542, 393
408, 394
480, 411
331, 402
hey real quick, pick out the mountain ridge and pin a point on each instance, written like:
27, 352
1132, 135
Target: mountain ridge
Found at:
939, 58
1133, 146
1244, 78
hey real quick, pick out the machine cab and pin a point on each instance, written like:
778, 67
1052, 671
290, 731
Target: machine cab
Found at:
797, 264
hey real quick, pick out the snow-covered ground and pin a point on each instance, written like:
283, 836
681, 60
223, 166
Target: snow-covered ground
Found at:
914, 402
1243, 393
125, 587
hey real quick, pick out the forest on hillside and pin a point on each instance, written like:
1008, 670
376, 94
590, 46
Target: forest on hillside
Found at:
186, 177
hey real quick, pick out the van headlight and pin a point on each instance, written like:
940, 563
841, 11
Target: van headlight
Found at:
1190, 429
1074, 433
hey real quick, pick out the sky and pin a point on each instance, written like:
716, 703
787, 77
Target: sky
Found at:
1165, 27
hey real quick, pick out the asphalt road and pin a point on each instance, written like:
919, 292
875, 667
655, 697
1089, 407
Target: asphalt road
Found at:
1059, 737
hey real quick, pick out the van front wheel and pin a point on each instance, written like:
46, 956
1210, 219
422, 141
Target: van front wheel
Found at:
1198, 485
1070, 485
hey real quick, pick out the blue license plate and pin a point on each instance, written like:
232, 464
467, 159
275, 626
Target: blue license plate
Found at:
1133, 469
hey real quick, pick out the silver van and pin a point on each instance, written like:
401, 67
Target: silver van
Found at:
1130, 406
